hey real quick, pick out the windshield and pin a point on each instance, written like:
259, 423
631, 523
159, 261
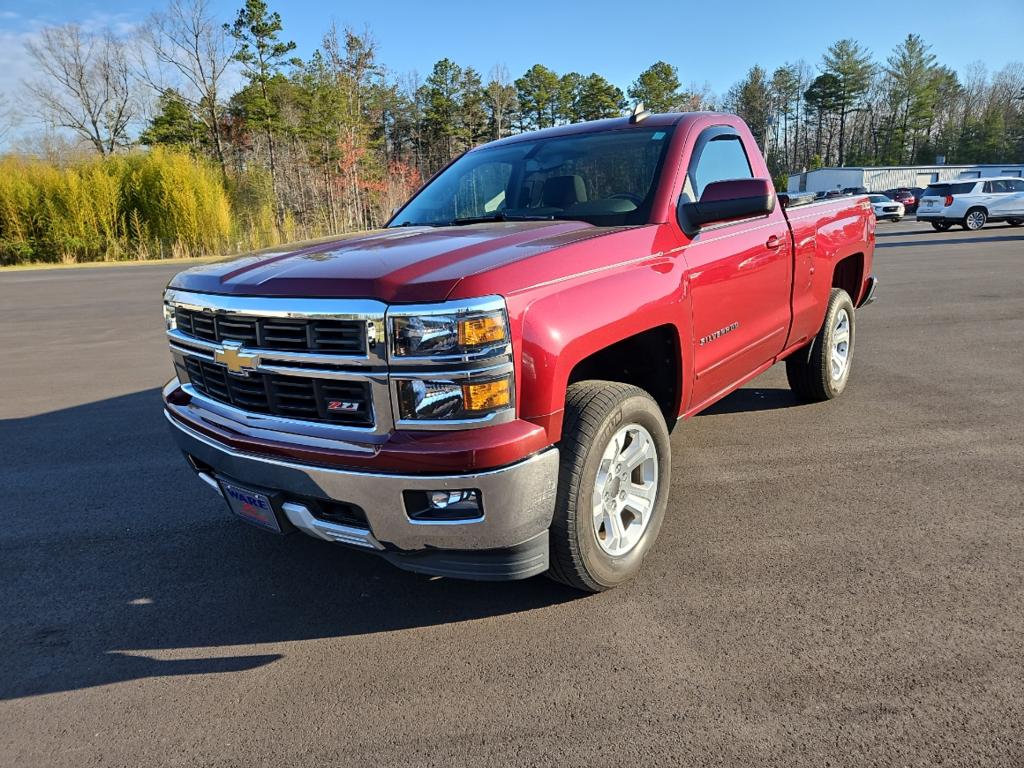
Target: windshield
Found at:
606, 178
879, 199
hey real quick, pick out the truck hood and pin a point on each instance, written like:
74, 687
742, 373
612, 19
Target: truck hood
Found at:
408, 264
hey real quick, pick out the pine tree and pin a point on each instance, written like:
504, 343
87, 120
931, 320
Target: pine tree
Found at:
262, 56
441, 95
658, 88
751, 100
597, 98
853, 69
173, 125
537, 92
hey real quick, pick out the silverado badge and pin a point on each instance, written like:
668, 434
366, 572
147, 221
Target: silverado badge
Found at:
234, 359
719, 333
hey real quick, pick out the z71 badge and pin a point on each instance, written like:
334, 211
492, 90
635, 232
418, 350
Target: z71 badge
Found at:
342, 405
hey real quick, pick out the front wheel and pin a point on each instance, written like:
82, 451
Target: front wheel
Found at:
821, 370
1015, 222
975, 219
615, 461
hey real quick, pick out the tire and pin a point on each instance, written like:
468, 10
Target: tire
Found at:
941, 226
1015, 222
897, 219
598, 416
975, 219
811, 371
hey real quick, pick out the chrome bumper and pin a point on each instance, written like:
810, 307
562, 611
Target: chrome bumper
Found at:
518, 500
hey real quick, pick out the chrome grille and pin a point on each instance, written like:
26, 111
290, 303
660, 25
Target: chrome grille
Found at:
295, 397
345, 337
306, 366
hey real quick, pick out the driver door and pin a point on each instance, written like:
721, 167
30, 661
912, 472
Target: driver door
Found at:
740, 276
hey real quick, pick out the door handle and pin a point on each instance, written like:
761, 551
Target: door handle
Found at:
773, 242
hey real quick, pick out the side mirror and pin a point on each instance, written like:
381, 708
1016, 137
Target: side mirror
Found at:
727, 200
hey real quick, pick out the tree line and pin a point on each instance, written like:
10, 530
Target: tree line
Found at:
332, 143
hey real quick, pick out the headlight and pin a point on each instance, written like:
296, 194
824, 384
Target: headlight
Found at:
465, 331
451, 400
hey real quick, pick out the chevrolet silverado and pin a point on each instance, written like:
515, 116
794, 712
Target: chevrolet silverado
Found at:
485, 388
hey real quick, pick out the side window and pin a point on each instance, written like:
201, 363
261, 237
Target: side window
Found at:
1015, 185
721, 158
996, 187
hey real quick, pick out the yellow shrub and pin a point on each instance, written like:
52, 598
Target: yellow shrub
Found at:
141, 205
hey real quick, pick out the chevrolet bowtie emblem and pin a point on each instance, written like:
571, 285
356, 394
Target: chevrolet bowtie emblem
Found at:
234, 359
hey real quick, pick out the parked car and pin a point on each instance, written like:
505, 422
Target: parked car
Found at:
855, 190
905, 196
886, 208
485, 388
973, 203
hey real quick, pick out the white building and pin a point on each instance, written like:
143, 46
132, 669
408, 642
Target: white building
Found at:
881, 178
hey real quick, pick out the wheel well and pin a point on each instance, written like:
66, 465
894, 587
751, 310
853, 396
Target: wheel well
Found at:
650, 360
849, 275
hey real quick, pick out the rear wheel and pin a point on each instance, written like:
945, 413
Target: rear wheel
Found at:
613, 482
975, 219
821, 370
941, 226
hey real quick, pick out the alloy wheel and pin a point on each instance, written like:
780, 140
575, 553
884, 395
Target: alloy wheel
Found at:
840, 356
625, 489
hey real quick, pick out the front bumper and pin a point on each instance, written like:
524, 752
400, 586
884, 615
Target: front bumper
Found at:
508, 541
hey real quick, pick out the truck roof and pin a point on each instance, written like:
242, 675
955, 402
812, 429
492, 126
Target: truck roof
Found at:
664, 120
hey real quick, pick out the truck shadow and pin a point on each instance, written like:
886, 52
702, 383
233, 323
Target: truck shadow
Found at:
753, 399
119, 565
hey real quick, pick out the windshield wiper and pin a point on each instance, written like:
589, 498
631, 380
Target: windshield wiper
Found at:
497, 216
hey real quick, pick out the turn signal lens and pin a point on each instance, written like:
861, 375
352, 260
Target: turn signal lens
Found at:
486, 329
488, 395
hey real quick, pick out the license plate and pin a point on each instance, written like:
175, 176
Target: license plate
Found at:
251, 506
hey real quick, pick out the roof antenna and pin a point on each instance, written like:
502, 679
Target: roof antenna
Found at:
639, 113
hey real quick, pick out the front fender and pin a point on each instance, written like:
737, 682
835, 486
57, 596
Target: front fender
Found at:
575, 318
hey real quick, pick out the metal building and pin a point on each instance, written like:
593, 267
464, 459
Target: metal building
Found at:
881, 178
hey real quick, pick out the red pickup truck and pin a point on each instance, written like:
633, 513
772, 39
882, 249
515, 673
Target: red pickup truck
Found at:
485, 388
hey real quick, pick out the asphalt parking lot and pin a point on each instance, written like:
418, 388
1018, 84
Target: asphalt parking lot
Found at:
836, 584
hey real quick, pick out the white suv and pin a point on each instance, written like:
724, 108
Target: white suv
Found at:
973, 203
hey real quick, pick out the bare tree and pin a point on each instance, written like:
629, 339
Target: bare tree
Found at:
8, 117
85, 84
500, 98
187, 40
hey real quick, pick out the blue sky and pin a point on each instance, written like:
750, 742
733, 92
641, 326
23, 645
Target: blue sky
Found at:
714, 42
